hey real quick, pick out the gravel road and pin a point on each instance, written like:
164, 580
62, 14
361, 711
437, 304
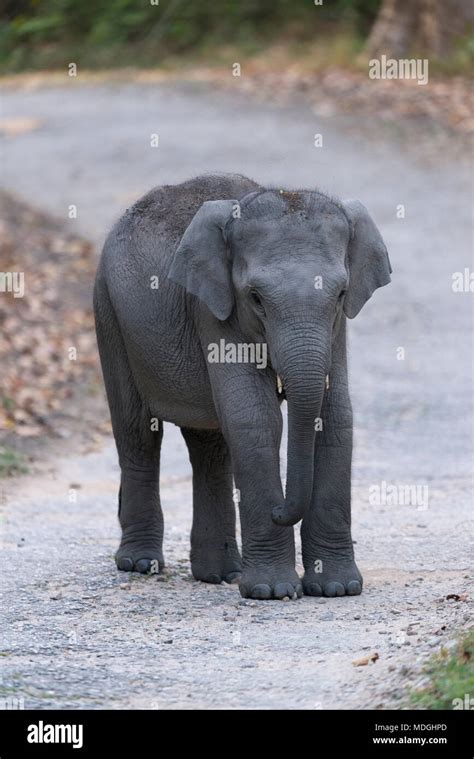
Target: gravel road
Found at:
79, 634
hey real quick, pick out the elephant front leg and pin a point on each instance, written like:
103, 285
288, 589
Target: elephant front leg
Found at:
252, 425
328, 553
268, 551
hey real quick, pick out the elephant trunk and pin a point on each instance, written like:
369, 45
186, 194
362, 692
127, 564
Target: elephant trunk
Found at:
303, 375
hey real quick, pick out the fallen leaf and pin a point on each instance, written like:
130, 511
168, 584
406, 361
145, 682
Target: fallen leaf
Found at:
13, 127
365, 660
48, 350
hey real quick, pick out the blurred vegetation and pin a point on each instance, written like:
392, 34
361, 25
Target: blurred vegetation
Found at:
104, 33
45, 34
451, 676
11, 463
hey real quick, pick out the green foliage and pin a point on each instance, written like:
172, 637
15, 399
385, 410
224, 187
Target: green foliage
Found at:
35, 33
461, 60
11, 463
451, 677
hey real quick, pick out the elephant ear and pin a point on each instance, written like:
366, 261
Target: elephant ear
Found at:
201, 263
368, 261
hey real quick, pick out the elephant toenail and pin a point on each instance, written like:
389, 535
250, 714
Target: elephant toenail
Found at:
354, 588
262, 592
126, 565
283, 589
215, 579
233, 578
332, 589
313, 589
143, 566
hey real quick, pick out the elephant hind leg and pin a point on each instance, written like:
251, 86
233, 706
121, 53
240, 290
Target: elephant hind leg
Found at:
138, 442
214, 553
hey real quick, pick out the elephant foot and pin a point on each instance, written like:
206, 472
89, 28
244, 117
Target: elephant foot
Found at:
139, 553
217, 562
332, 578
270, 582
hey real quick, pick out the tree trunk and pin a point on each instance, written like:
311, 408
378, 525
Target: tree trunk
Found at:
429, 27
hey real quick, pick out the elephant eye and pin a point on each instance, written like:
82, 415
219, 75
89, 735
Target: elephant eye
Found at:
256, 300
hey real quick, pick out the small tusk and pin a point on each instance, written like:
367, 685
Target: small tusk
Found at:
327, 381
279, 385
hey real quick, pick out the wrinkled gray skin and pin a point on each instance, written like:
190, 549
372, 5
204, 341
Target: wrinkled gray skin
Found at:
245, 280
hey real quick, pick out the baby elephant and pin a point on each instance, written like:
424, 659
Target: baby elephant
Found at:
215, 300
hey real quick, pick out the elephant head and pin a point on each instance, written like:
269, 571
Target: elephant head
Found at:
286, 266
